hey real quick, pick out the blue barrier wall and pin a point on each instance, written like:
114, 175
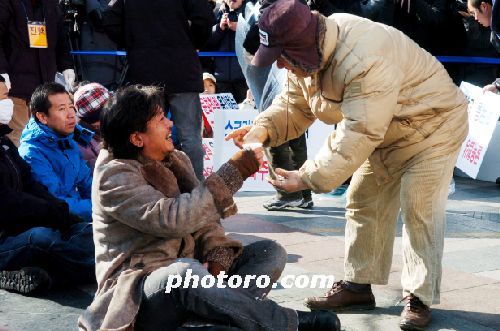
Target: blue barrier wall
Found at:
443, 59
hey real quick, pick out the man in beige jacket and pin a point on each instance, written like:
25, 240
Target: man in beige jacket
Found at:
401, 122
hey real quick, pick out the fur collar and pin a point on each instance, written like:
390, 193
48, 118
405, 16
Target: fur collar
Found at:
172, 176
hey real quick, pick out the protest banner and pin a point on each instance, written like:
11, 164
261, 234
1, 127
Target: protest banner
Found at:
225, 122
208, 160
484, 111
211, 103
222, 113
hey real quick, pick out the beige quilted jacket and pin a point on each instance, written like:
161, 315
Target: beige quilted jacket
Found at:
393, 100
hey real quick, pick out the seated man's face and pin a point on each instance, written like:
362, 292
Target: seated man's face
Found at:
157, 141
61, 116
4, 92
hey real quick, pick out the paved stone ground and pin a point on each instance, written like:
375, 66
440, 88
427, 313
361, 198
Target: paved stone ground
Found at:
314, 240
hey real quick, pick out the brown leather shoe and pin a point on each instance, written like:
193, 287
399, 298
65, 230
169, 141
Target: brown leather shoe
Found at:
340, 298
415, 315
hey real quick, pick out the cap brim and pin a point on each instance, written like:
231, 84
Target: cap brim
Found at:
265, 56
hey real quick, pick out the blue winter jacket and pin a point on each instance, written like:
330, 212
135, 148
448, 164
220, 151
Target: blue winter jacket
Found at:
57, 163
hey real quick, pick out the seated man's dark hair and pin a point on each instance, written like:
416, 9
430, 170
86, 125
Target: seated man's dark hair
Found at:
129, 111
40, 98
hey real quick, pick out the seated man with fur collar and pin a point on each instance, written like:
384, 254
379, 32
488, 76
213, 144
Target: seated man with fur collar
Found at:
153, 220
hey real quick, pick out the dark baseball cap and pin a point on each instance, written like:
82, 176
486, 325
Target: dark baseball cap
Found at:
283, 25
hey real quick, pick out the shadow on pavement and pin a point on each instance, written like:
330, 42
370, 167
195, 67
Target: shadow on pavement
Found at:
71, 297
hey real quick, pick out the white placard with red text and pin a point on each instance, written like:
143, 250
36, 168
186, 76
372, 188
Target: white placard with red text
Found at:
208, 160
484, 110
211, 103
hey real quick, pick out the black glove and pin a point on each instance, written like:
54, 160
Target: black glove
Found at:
252, 39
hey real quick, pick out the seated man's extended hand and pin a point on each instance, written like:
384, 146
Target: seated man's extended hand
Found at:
247, 162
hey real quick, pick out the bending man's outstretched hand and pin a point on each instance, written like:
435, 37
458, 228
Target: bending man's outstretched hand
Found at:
288, 181
247, 135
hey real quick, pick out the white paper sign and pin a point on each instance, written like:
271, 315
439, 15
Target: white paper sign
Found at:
225, 122
484, 110
211, 103
316, 136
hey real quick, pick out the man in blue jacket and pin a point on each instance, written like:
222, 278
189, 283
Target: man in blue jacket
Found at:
49, 145
41, 244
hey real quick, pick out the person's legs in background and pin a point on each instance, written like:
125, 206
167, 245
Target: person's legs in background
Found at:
282, 158
239, 90
186, 115
298, 147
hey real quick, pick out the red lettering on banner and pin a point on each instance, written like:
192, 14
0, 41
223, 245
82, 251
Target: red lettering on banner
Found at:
208, 152
209, 104
262, 173
207, 171
264, 170
472, 152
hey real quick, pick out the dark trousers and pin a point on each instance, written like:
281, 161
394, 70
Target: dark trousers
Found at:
186, 115
69, 258
291, 156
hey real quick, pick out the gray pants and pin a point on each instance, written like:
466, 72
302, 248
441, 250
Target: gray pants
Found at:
244, 308
186, 115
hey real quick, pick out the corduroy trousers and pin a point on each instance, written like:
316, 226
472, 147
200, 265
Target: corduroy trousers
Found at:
420, 193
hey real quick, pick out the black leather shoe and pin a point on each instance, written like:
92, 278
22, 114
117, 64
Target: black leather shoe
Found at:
319, 320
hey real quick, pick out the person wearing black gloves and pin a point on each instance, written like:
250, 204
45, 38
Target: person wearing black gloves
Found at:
39, 238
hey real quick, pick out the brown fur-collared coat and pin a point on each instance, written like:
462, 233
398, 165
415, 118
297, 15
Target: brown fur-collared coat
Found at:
146, 214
